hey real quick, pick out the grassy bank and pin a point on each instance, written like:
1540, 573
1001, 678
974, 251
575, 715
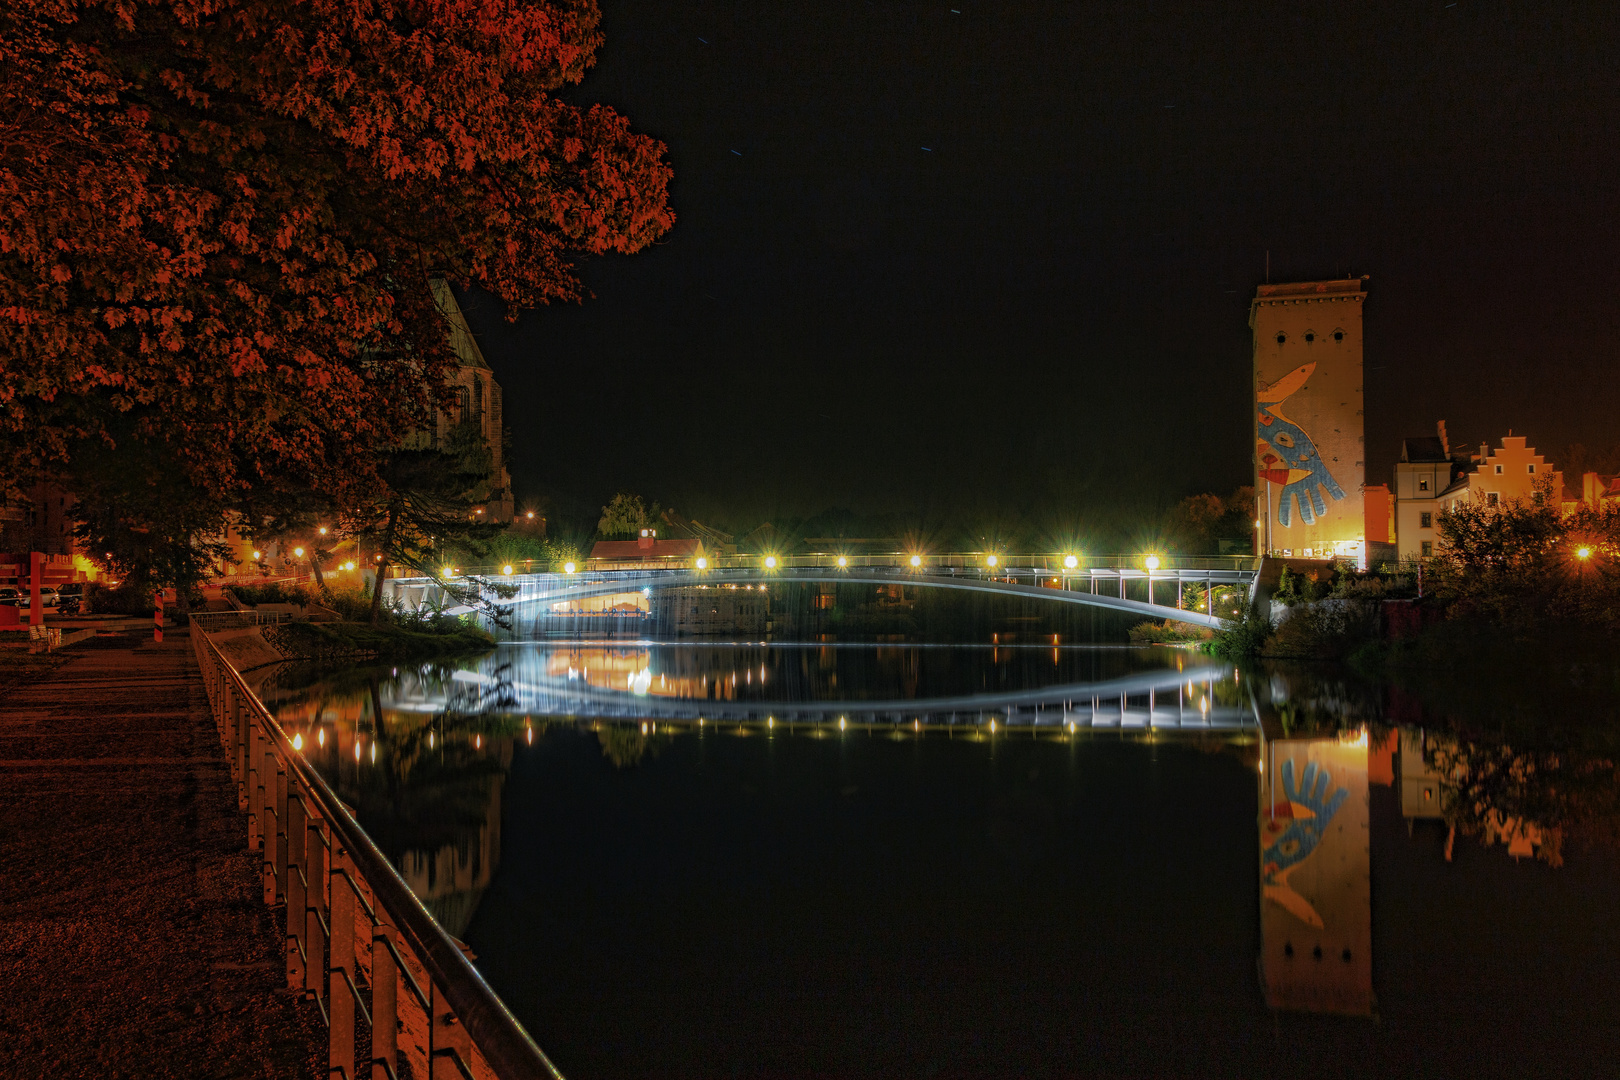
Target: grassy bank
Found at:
347, 640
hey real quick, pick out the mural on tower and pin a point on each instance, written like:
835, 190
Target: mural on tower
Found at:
1308, 461
1288, 458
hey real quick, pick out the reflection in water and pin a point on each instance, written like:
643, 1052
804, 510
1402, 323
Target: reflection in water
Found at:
652, 755
1316, 899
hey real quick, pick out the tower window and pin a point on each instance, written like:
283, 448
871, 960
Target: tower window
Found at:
1338, 335
1423, 483
1310, 335
1281, 337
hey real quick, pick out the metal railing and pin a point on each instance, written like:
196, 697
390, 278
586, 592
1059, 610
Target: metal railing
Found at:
359, 942
231, 620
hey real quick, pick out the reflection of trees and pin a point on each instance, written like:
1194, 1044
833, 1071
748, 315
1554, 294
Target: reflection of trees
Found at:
1525, 799
625, 745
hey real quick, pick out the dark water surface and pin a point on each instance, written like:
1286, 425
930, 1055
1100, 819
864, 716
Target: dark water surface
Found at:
1103, 884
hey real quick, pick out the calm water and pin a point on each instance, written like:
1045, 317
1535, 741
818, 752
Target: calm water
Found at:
766, 860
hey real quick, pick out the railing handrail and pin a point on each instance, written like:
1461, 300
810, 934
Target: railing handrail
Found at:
498, 1035
899, 560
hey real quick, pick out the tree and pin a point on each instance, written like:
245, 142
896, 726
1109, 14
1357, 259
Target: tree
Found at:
626, 515
218, 221
427, 503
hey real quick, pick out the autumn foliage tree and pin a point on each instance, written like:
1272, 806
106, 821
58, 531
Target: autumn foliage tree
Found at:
218, 219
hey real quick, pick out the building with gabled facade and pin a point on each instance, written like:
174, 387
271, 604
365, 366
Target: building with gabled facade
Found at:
1432, 477
478, 401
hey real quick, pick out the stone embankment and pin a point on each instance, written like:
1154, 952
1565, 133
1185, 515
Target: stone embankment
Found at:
134, 940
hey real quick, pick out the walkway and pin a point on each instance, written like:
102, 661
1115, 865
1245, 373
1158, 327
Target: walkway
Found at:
134, 940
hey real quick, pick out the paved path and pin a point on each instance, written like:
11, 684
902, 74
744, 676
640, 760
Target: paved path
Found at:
133, 938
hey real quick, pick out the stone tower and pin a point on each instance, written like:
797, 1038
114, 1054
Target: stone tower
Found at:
1310, 459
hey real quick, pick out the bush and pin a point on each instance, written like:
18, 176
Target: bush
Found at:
1242, 639
1167, 633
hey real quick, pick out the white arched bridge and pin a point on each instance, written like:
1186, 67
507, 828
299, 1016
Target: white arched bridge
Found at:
1135, 586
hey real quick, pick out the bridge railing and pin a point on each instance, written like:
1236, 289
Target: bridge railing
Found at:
970, 562
359, 942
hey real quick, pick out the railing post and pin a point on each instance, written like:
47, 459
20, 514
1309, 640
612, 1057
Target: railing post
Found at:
340, 1000
268, 770
314, 908
282, 829
255, 790
297, 894
447, 1037
384, 1001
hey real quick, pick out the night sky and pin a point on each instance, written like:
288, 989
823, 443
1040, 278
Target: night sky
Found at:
994, 264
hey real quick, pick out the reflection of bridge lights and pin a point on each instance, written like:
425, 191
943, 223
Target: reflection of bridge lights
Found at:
916, 561
568, 568
770, 562
320, 736
357, 749
1152, 563
841, 723
478, 742
298, 742
992, 727
702, 563
529, 735
374, 753
990, 561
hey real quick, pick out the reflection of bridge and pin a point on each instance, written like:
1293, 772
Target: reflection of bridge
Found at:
1095, 582
1149, 701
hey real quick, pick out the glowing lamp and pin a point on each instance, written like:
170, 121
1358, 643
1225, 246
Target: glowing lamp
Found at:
323, 530
349, 565
770, 562
1070, 562
568, 568
530, 514
507, 570
1152, 563
702, 563
299, 552
256, 556
990, 561
1583, 553
842, 562
916, 561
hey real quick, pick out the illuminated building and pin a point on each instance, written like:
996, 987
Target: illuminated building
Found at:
1309, 462
478, 402
1433, 477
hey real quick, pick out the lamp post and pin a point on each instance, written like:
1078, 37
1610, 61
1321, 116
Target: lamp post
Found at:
1152, 563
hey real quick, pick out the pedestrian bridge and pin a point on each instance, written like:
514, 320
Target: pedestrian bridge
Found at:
1149, 587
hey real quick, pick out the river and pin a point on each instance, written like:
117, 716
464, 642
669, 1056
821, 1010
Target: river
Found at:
766, 859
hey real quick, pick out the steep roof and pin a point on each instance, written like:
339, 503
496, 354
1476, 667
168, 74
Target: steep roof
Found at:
1423, 448
632, 551
461, 335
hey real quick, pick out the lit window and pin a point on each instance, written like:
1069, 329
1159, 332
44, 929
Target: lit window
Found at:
1423, 484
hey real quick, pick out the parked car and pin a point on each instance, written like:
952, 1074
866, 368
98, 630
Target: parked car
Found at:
71, 588
10, 597
48, 596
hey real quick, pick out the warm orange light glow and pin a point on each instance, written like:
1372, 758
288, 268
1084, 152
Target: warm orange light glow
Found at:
1583, 553
916, 561
349, 565
323, 530
298, 742
256, 556
298, 552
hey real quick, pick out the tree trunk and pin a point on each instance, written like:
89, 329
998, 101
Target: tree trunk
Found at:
315, 565
382, 567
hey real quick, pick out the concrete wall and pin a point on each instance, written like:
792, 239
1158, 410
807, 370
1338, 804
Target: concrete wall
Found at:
1309, 449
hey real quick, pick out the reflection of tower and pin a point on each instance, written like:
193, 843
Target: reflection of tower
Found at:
1315, 884
1309, 466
